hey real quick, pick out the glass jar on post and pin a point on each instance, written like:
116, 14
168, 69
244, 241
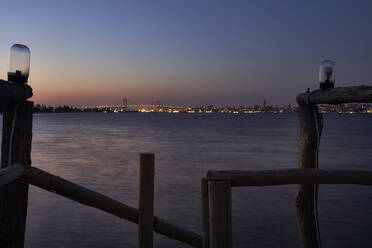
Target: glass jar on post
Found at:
19, 64
327, 74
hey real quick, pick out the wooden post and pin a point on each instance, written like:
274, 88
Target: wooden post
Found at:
307, 220
220, 235
205, 211
14, 196
146, 201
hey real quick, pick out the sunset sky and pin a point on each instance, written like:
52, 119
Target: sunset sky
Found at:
186, 52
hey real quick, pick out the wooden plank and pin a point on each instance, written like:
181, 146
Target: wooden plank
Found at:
93, 199
354, 94
220, 228
311, 125
240, 178
11, 173
175, 232
205, 212
146, 200
14, 196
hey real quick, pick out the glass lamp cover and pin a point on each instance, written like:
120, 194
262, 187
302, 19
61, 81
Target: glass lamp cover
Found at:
327, 74
19, 64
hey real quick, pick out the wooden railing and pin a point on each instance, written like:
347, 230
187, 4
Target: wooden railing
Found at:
353, 94
72, 191
216, 197
291, 176
16, 174
10, 174
215, 188
311, 126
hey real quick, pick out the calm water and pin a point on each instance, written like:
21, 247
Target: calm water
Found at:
100, 151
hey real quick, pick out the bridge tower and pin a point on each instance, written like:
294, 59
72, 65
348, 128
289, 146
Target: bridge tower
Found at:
125, 104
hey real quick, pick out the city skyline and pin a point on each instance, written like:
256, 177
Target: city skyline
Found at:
120, 101
93, 52
348, 108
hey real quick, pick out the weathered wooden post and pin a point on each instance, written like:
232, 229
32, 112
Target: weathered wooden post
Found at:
13, 197
146, 200
220, 231
311, 125
205, 211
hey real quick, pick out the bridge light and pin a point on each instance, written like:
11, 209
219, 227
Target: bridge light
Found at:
19, 64
327, 74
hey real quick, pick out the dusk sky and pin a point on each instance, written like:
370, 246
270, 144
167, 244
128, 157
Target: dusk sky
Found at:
186, 52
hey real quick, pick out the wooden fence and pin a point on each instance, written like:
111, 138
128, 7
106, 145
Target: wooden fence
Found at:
216, 187
216, 200
16, 174
143, 216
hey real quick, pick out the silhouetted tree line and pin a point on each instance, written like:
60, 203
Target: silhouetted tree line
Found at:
41, 108
61, 109
48, 109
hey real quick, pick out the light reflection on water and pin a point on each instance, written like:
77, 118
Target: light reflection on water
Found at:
100, 151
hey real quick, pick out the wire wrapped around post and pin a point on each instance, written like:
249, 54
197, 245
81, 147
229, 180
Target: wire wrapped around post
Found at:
14, 92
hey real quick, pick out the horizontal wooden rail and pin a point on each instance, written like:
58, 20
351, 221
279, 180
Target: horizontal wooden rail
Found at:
11, 173
93, 199
291, 176
355, 94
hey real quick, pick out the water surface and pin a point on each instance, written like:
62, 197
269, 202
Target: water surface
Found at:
101, 151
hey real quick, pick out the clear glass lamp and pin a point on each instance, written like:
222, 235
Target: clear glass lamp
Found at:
19, 64
327, 74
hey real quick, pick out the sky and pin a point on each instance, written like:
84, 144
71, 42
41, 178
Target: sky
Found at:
186, 52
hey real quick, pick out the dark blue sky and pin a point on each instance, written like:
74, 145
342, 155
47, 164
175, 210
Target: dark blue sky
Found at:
186, 52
